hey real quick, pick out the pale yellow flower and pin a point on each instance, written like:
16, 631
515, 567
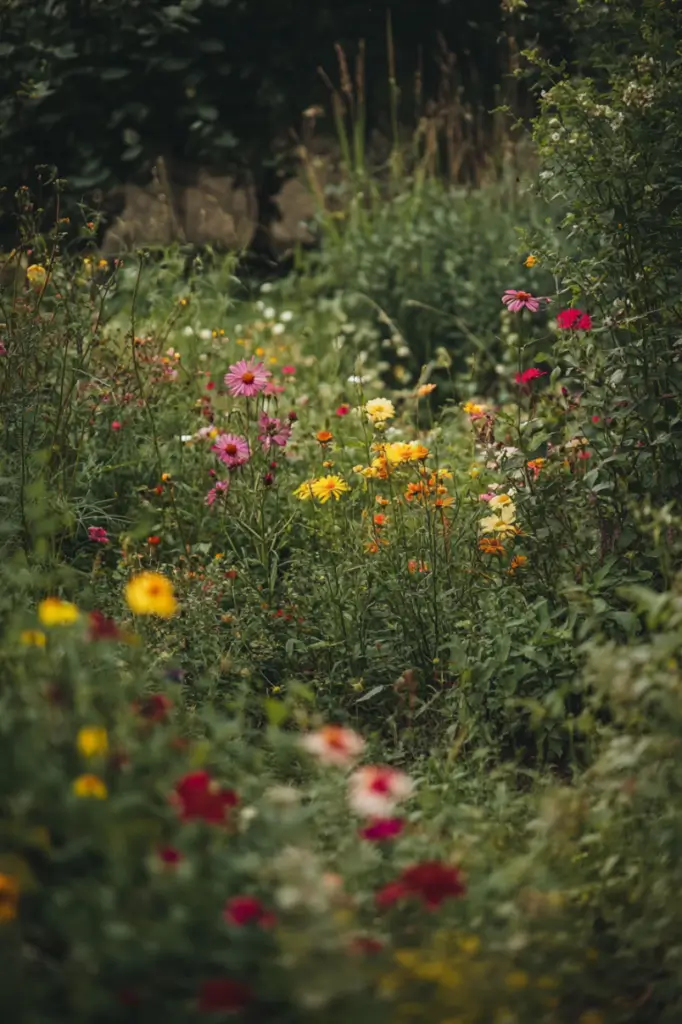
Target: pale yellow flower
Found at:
502, 523
379, 410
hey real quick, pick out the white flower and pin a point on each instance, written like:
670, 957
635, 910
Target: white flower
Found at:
205, 334
286, 316
375, 790
186, 438
188, 331
269, 313
266, 287
278, 329
356, 379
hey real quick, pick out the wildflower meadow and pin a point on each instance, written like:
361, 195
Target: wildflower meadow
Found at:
342, 606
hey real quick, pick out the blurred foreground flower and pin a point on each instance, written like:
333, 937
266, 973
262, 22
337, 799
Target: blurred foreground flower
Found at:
9, 897
432, 882
92, 741
334, 745
375, 790
90, 787
200, 798
150, 593
55, 612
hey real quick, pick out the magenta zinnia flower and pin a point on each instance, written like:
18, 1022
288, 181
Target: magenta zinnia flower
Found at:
381, 829
232, 450
273, 431
574, 319
515, 301
246, 378
98, 534
222, 487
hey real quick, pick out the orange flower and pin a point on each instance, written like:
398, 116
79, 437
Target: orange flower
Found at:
382, 501
425, 389
380, 520
414, 566
324, 436
490, 546
419, 491
517, 562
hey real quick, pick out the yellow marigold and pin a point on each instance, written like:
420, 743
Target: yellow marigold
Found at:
37, 275
9, 897
55, 612
418, 452
397, 451
150, 593
90, 787
380, 409
473, 408
92, 741
530, 261
32, 638
304, 491
326, 487
425, 389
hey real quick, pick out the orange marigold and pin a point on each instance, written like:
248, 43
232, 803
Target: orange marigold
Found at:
490, 546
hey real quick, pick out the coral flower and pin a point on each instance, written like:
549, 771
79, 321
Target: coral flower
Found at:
375, 790
150, 593
90, 787
200, 798
324, 437
343, 410
490, 546
223, 995
381, 829
232, 450
92, 741
55, 612
98, 534
574, 319
414, 566
431, 881
247, 378
379, 410
334, 745
526, 376
515, 300
326, 487
9, 897
244, 910
273, 432
425, 389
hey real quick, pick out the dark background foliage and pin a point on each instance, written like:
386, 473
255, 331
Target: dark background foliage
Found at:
101, 88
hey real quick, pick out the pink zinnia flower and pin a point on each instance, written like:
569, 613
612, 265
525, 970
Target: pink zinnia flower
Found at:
273, 431
574, 319
343, 410
382, 829
98, 534
232, 450
334, 745
515, 300
288, 371
247, 378
532, 373
116, 425
244, 910
375, 790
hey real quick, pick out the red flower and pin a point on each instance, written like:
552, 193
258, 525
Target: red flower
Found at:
528, 375
169, 855
116, 425
102, 628
223, 995
381, 829
153, 540
574, 319
200, 798
231, 574
365, 944
243, 910
154, 708
431, 881
210, 386
343, 410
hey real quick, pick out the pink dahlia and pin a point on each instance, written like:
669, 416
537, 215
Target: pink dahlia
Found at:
98, 534
532, 373
247, 378
232, 450
515, 300
222, 487
273, 432
574, 319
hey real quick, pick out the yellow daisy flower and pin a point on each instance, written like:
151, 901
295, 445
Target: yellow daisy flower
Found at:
55, 612
150, 593
327, 487
92, 741
379, 410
